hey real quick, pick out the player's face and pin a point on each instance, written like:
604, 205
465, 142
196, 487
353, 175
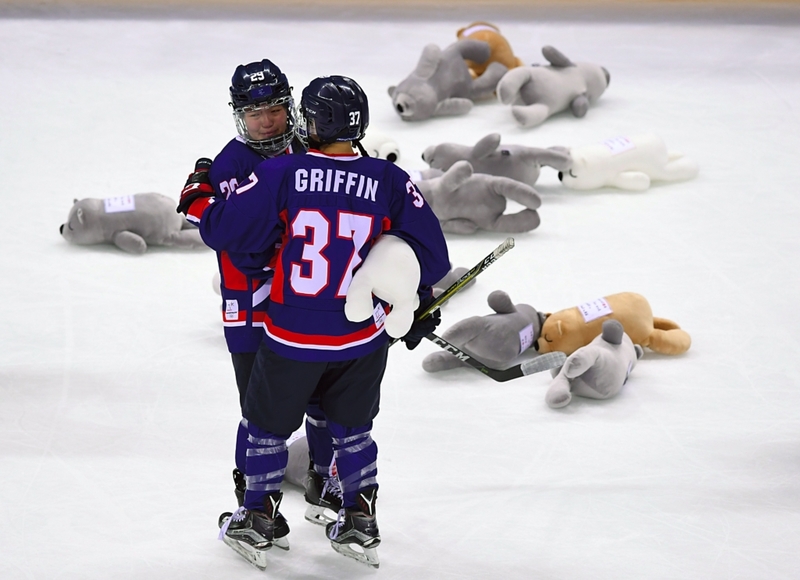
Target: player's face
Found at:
265, 122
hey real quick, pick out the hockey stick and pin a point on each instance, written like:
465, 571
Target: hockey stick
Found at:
537, 364
464, 280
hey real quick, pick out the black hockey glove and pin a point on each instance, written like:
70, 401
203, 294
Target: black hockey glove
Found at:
197, 185
422, 328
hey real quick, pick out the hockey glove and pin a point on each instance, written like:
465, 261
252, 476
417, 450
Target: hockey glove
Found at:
422, 328
197, 185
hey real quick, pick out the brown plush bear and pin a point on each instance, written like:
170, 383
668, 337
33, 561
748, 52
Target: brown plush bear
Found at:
570, 329
500, 48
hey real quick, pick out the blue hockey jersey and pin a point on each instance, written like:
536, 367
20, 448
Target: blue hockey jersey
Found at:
325, 211
244, 294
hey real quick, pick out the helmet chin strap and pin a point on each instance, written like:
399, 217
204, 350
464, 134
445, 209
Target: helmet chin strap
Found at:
361, 148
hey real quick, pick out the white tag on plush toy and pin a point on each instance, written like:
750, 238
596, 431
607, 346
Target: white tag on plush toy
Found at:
231, 310
594, 310
525, 338
379, 315
618, 145
119, 204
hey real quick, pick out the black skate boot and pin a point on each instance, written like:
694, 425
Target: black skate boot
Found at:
355, 533
281, 527
324, 498
251, 533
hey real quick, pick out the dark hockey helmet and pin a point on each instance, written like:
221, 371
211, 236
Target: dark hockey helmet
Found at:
257, 86
334, 109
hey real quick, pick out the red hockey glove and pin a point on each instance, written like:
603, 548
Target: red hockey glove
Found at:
422, 328
197, 185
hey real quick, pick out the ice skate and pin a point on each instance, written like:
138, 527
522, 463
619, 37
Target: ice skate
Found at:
252, 533
324, 498
355, 533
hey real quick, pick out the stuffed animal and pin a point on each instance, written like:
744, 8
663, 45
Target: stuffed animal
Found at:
500, 48
597, 370
629, 163
441, 84
380, 146
130, 222
538, 92
390, 272
513, 161
297, 465
570, 329
496, 339
465, 202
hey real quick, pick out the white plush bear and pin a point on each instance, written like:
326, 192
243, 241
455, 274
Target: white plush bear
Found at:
629, 163
381, 146
130, 222
597, 370
538, 92
390, 272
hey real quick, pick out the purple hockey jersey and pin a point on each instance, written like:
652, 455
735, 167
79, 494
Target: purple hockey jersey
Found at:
325, 211
244, 297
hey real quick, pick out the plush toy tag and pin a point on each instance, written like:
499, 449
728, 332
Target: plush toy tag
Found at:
618, 145
594, 310
525, 338
379, 315
119, 204
231, 310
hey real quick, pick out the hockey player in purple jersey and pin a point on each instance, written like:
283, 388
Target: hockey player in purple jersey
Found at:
327, 208
264, 113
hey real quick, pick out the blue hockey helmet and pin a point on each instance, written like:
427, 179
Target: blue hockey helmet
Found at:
258, 86
334, 108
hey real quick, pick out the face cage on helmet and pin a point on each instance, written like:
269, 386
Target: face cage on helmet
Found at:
272, 145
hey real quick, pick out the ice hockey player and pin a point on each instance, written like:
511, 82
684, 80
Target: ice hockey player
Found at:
327, 207
264, 113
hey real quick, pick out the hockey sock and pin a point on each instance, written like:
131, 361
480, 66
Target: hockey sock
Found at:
267, 456
320, 445
356, 459
241, 446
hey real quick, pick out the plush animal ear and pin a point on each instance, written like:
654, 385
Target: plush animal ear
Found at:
391, 90
79, 215
486, 146
560, 332
431, 55
556, 57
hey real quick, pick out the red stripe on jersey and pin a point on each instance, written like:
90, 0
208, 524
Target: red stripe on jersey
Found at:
320, 340
276, 293
232, 277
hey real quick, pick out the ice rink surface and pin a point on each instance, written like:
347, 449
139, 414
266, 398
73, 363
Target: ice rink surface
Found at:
117, 400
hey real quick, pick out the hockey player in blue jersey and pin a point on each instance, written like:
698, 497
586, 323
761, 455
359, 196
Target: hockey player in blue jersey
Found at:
264, 113
326, 208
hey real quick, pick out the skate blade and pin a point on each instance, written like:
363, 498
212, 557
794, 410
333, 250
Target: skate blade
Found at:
369, 556
316, 514
282, 543
257, 558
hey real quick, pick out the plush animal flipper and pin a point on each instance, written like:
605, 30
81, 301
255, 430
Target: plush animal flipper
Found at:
579, 106
668, 337
452, 106
189, 238
579, 362
517, 223
680, 169
484, 147
514, 190
558, 394
555, 57
428, 61
459, 226
441, 361
485, 85
500, 302
530, 115
130, 242
297, 465
512, 82
631, 181
475, 50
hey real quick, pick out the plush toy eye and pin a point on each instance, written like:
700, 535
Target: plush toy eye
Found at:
544, 336
572, 174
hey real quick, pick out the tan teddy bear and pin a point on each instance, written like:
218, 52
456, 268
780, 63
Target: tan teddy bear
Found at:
500, 48
570, 329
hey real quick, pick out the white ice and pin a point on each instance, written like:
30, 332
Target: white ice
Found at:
117, 400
